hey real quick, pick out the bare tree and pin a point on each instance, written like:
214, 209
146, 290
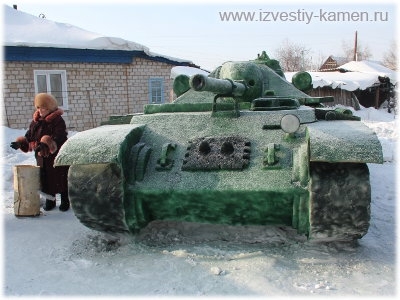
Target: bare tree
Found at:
317, 61
390, 57
363, 52
293, 57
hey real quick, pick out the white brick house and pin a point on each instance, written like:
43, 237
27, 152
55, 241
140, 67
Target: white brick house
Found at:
91, 79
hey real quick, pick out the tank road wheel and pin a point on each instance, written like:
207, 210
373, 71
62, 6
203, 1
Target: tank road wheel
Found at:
340, 198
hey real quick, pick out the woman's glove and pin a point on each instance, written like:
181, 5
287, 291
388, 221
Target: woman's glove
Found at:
20, 143
47, 146
15, 145
42, 150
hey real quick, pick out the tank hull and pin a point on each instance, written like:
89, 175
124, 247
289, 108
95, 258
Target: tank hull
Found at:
195, 167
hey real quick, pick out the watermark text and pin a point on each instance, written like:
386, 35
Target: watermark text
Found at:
304, 16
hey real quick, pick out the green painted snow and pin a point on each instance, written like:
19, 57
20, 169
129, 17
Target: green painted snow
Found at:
343, 141
260, 81
216, 206
100, 145
133, 172
259, 194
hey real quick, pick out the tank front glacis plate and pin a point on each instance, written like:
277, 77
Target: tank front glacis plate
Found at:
179, 129
262, 191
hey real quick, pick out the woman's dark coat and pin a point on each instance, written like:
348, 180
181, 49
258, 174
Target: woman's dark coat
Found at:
53, 179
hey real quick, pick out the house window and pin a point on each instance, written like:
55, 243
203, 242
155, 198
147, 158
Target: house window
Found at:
53, 82
156, 90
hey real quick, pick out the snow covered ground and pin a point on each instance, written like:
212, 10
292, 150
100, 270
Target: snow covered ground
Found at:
54, 255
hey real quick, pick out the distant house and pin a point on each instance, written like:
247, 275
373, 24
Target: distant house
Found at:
91, 76
357, 82
333, 62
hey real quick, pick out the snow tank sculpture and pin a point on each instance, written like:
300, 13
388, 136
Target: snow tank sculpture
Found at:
240, 146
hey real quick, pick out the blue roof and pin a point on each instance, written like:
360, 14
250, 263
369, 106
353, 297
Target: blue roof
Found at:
50, 54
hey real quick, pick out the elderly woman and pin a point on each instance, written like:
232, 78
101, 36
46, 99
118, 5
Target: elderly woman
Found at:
46, 134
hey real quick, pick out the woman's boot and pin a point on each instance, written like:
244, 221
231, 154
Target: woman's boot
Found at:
49, 205
64, 206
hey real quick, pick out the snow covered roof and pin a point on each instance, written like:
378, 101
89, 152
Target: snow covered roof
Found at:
357, 75
369, 67
25, 30
339, 59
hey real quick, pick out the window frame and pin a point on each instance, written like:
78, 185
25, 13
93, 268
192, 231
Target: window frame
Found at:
152, 82
47, 73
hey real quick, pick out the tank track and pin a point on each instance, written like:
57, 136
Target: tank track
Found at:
96, 196
340, 199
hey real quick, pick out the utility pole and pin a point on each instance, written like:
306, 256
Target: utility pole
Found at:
355, 48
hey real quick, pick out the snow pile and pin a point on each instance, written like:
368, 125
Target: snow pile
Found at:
55, 255
386, 128
188, 71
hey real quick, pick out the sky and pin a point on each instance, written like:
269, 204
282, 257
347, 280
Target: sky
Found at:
197, 32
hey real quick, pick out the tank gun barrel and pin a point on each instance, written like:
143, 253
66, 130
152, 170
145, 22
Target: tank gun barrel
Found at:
200, 83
